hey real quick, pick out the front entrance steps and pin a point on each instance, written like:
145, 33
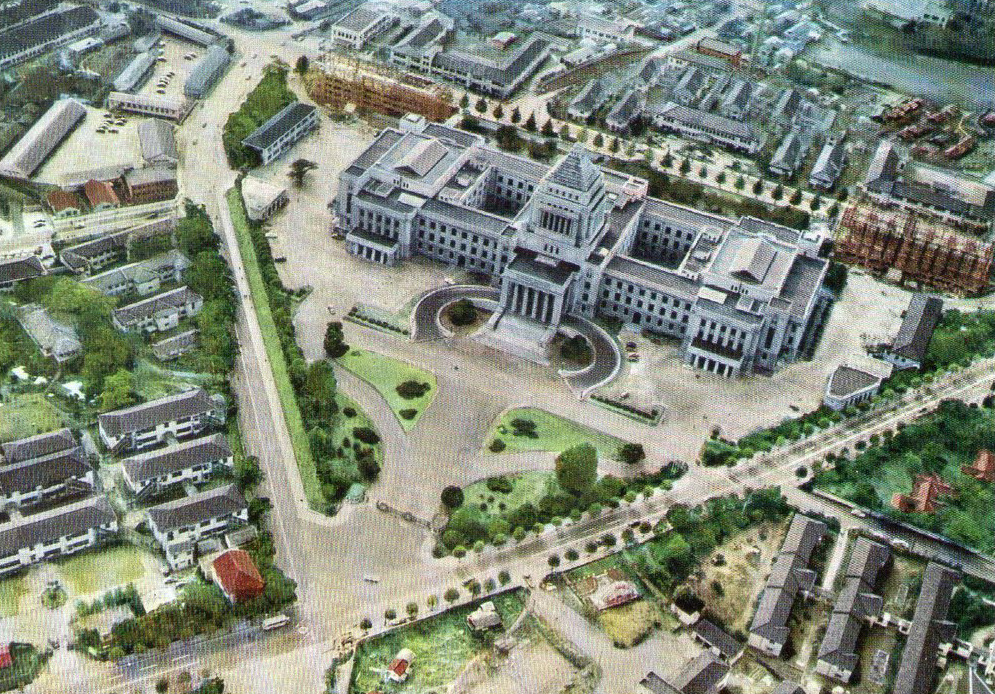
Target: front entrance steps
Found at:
522, 337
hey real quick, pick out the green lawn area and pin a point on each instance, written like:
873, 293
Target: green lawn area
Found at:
343, 425
386, 374
27, 415
98, 571
27, 662
442, 646
552, 433
527, 487
288, 399
11, 590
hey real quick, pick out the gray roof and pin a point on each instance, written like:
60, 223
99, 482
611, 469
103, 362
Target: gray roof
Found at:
504, 71
847, 380
44, 471
789, 152
19, 269
715, 637
788, 575
270, 131
166, 409
148, 175
37, 446
576, 170
696, 118
146, 466
133, 72
207, 70
173, 346
921, 319
157, 140
829, 164
53, 337
47, 27
526, 263
213, 503
788, 687
359, 19
701, 676
68, 520
139, 310
855, 602
170, 262
76, 257
917, 670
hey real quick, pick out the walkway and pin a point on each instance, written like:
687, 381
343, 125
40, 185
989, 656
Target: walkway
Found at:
425, 323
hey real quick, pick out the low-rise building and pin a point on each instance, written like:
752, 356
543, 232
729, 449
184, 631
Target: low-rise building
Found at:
37, 446
46, 32
63, 203
626, 111
187, 461
206, 72
42, 138
925, 495
173, 108
361, 25
237, 575
829, 165
143, 278
930, 628
135, 72
160, 312
708, 127
58, 532
848, 385
157, 140
789, 578
175, 346
602, 29
588, 100
400, 666
54, 338
185, 30
983, 467
484, 617
911, 345
717, 640
262, 200
178, 525
789, 155
139, 427
703, 675
100, 195
150, 184
17, 270
722, 50
281, 132
43, 467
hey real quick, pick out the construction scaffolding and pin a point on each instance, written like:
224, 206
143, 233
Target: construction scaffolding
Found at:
337, 81
909, 248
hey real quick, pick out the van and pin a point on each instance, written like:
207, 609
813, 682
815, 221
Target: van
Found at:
275, 622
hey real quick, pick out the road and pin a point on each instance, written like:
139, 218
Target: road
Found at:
330, 558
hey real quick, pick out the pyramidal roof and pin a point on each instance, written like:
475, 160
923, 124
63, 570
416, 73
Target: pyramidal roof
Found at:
576, 170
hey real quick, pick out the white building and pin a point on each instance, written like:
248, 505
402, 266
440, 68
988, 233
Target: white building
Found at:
43, 467
708, 127
178, 525
141, 426
54, 338
262, 200
281, 132
43, 137
188, 461
148, 105
360, 25
158, 313
848, 385
56, 533
142, 278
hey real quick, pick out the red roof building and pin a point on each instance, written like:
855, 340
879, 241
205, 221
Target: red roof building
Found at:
983, 468
237, 576
925, 491
60, 201
100, 194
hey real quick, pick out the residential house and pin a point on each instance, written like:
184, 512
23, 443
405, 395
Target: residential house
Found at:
175, 346
37, 446
484, 617
718, 641
54, 338
43, 467
142, 278
100, 195
983, 467
160, 312
829, 165
58, 532
789, 155
400, 666
237, 575
929, 629
857, 603
17, 270
703, 675
789, 578
188, 461
178, 525
926, 491
181, 416
911, 345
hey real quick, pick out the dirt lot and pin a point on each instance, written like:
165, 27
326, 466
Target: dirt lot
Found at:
628, 625
534, 666
747, 560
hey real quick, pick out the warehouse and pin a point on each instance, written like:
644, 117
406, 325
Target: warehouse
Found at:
43, 137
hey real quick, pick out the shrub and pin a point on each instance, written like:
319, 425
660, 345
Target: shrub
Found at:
409, 390
631, 453
497, 445
463, 312
366, 435
500, 484
390, 614
504, 578
451, 595
408, 413
571, 555
553, 561
452, 497
524, 427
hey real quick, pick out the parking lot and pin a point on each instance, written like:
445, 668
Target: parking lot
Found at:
100, 147
171, 68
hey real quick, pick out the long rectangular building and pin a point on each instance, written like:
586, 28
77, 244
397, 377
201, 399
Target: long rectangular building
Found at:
187, 461
742, 296
930, 628
142, 426
177, 525
281, 132
149, 105
46, 32
43, 137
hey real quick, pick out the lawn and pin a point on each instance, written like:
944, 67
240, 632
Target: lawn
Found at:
442, 646
552, 433
386, 374
344, 424
27, 415
527, 487
94, 572
27, 662
271, 339
11, 591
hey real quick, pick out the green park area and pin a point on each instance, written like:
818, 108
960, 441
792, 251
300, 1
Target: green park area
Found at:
407, 389
442, 646
531, 429
941, 444
11, 591
28, 414
93, 572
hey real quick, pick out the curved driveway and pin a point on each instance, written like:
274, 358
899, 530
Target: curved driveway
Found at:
607, 358
425, 323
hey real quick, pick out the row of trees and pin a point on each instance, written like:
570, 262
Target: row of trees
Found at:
262, 103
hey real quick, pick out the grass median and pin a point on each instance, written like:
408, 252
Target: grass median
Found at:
271, 340
389, 377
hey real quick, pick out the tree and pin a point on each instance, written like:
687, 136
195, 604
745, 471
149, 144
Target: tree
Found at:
481, 105
667, 161
685, 167
335, 345
299, 170
247, 471
504, 577
117, 391
816, 202
463, 312
796, 197
577, 468
451, 595
631, 453
547, 129
565, 133
758, 187
516, 115
412, 609
301, 66
703, 171
498, 112
452, 497
613, 147
599, 141
721, 177
530, 123
740, 183
464, 101
778, 192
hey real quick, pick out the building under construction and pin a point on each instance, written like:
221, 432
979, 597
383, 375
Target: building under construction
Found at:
338, 81
911, 249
